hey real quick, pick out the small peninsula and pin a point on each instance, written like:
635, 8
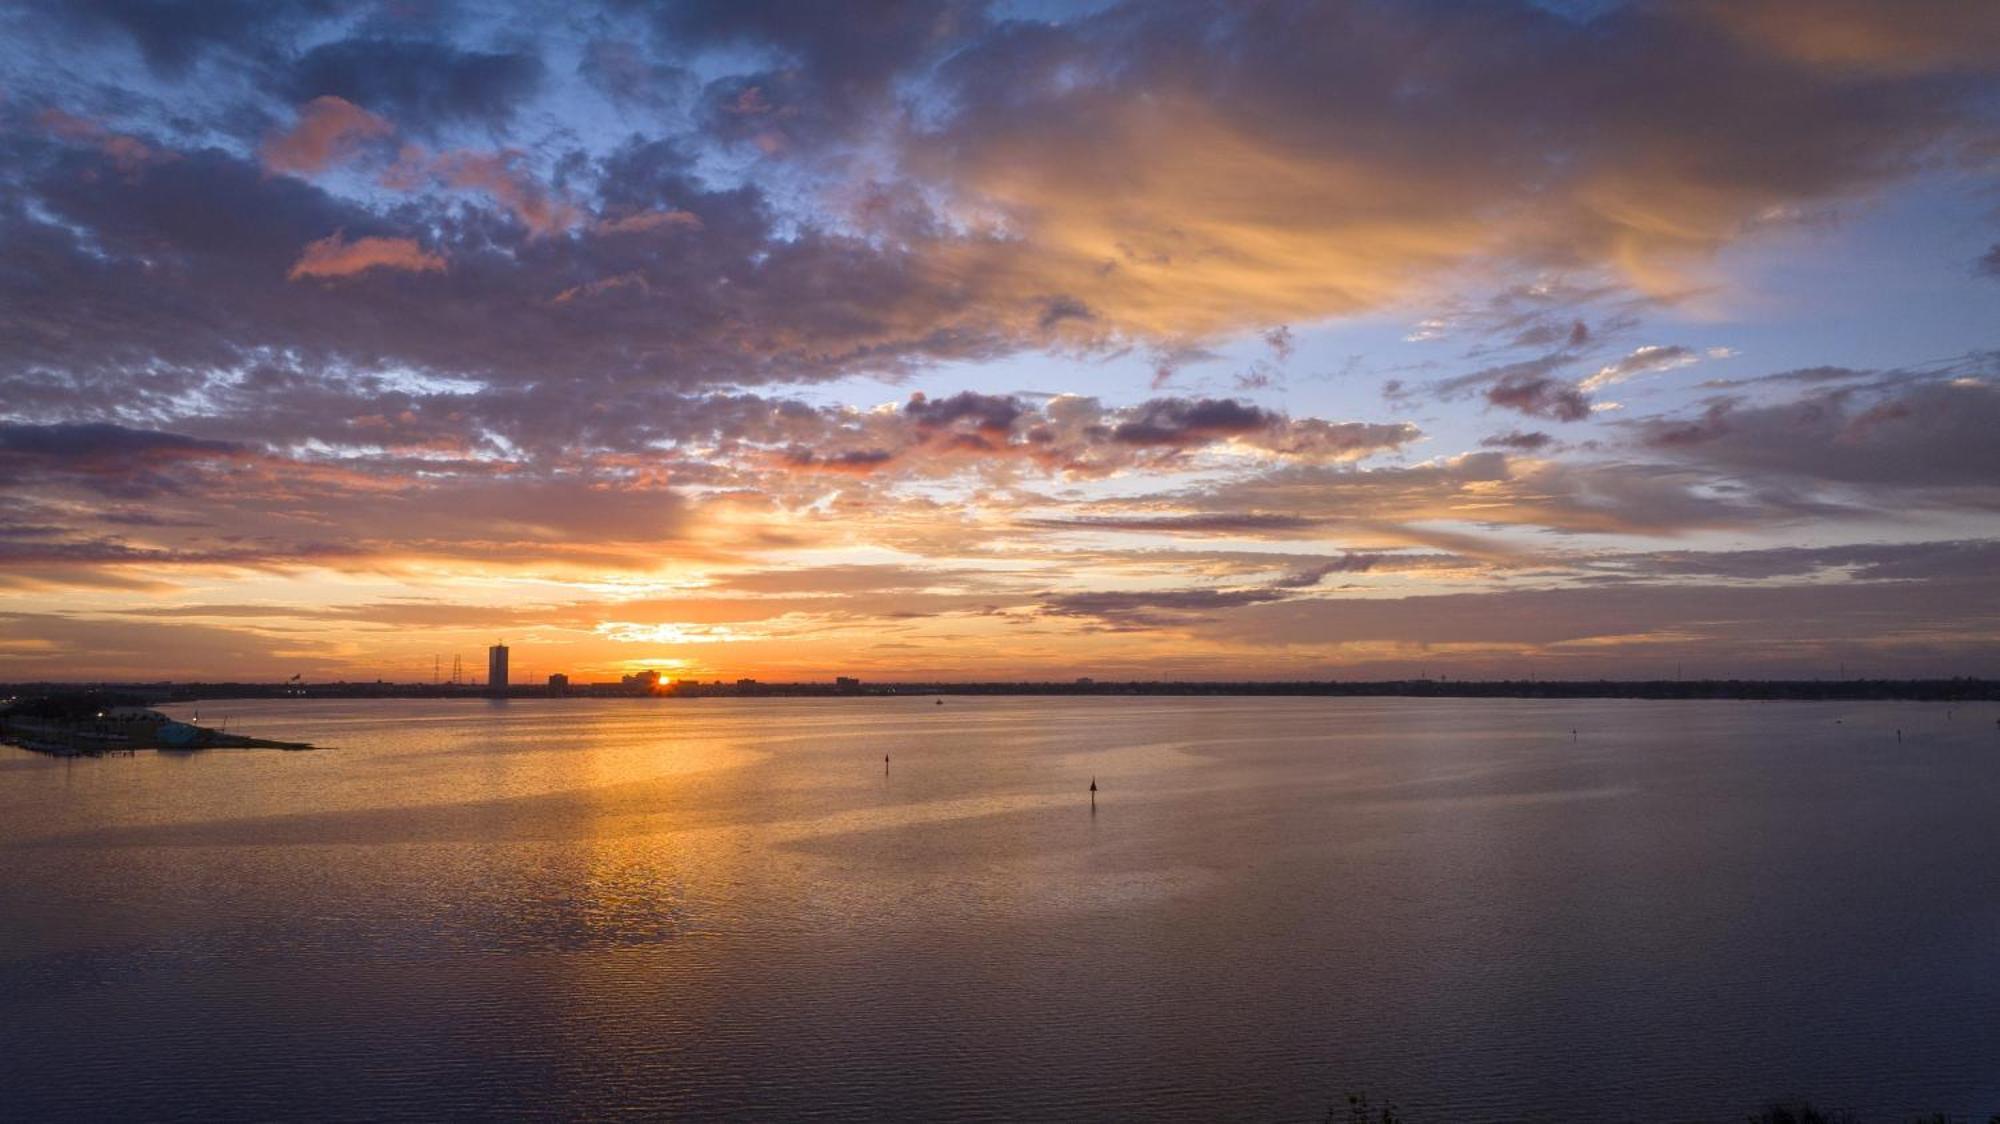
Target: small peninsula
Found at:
89, 724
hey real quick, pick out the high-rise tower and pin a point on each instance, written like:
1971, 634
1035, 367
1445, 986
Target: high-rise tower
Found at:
496, 668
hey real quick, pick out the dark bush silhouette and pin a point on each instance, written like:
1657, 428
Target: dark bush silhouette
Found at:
1359, 1111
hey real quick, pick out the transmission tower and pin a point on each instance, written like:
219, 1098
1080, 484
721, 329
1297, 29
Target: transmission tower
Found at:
457, 672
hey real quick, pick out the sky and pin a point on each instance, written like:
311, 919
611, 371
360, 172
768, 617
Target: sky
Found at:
929, 339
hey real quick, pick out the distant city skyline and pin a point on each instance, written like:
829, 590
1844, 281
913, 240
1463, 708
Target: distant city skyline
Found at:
961, 341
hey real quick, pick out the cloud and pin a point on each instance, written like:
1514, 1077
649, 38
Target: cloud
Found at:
108, 459
1404, 503
86, 302
1149, 174
824, 74
563, 334
1069, 434
329, 131
625, 73
172, 37
1182, 422
1153, 174
126, 153
604, 285
1311, 576
848, 579
333, 257
423, 85
990, 413
1647, 360
1934, 435
112, 552
1078, 435
150, 651
101, 444
1518, 441
1202, 523
1539, 396
634, 632
1718, 631
1118, 151
1529, 386
1867, 562
1905, 38
1153, 609
648, 220
1803, 375
859, 462
503, 177
1316, 439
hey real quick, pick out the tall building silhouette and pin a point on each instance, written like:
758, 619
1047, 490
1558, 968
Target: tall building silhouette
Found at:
496, 667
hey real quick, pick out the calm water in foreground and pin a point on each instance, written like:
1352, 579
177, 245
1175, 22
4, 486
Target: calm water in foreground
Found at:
725, 908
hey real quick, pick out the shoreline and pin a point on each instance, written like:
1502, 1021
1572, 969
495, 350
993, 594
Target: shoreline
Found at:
1963, 690
111, 749
78, 726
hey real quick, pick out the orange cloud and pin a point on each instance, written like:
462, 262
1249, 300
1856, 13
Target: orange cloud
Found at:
1176, 222
498, 175
1185, 203
603, 285
127, 152
329, 130
332, 256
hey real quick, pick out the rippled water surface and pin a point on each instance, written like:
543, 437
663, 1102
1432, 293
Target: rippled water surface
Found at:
728, 908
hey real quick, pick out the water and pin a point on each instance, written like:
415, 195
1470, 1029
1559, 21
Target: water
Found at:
726, 908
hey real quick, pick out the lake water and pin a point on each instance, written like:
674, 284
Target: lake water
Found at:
726, 908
